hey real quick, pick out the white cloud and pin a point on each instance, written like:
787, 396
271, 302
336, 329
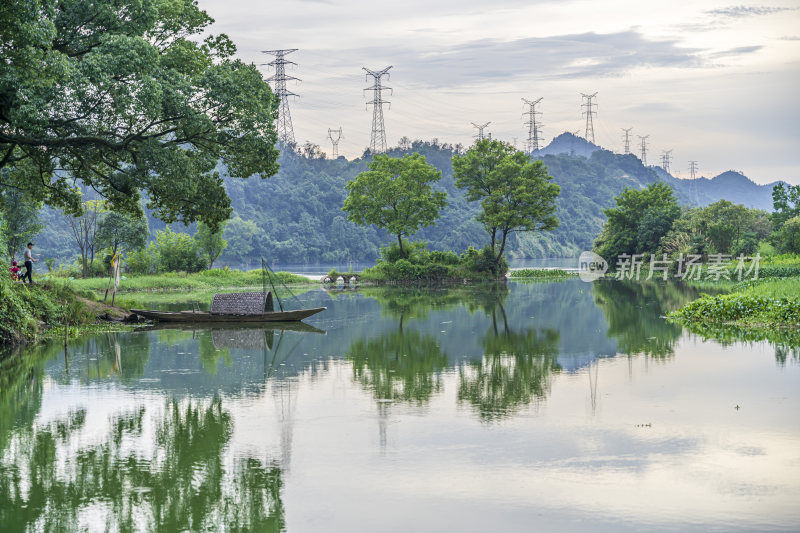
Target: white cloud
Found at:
685, 72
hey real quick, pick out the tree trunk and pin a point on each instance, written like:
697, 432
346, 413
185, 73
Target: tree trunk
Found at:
502, 248
400, 243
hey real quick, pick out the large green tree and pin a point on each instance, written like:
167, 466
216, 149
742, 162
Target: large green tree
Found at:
722, 227
788, 238
241, 235
120, 231
785, 202
638, 221
396, 194
209, 243
515, 192
128, 98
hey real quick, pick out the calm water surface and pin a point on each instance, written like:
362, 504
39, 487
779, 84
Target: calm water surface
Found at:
551, 407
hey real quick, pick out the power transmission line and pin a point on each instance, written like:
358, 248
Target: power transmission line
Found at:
480, 136
335, 142
279, 79
589, 114
534, 126
377, 139
666, 157
644, 148
627, 140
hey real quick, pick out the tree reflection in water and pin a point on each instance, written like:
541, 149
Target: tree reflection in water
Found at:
635, 313
515, 370
177, 482
402, 366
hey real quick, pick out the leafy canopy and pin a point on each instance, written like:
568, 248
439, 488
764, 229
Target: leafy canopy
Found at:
126, 98
638, 221
396, 194
786, 203
121, 231
515, 192
209, 243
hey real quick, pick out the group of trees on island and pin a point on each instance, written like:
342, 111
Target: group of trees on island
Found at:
515, 193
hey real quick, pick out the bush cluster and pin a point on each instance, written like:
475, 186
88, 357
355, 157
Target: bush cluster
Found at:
170, 252
742, 308
421, 264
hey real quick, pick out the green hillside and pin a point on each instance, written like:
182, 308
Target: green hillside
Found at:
295, 216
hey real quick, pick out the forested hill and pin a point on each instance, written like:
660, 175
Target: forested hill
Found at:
295, 216
299, 218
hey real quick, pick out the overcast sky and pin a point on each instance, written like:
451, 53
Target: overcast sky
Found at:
712, 81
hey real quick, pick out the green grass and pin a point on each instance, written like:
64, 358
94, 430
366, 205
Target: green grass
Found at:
541, 274
179, 281
184, 299
763, 303
771, 288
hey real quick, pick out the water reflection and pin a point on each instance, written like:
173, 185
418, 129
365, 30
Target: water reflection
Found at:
420, 302
635, 314
160, 471
514, 371
402, 366
186, 429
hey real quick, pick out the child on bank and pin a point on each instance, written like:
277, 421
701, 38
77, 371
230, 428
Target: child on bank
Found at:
14, 271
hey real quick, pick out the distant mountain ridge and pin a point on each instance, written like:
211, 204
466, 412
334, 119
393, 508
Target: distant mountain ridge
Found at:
730, 185
296, 217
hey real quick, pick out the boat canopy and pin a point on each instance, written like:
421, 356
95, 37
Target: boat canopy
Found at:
242, 303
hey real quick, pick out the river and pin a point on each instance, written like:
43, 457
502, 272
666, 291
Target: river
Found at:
561, 406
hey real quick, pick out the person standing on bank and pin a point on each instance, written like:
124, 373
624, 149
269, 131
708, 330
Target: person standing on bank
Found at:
29, 263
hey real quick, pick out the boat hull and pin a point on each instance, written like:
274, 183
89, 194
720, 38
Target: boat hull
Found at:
187, 317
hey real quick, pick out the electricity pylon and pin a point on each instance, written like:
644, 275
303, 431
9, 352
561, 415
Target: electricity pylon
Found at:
335, 141
693, 185
480, 136
534, 126
693, 169
589, 114
279, 79
377, 139
627, 140
666, 156
644, 148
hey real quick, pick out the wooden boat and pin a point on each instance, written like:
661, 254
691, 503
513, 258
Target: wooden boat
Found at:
300, 327
234, 307
207, 317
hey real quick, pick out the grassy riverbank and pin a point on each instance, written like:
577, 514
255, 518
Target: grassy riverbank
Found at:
30, 313
207, 280
766, 303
